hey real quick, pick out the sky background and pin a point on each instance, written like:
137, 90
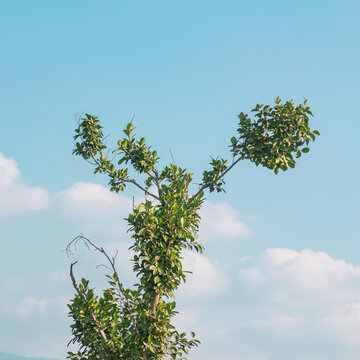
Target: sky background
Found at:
280, 277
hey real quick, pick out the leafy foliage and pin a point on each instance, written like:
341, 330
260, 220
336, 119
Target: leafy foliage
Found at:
278, 133
135, 323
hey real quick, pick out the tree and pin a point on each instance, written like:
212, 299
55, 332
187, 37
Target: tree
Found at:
135, 324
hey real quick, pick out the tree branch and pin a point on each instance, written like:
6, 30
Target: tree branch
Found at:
93, 316
112, 264
155, 178
143, 189
220, 176
126, 180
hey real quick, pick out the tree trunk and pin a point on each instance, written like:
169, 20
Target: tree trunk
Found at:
154, 304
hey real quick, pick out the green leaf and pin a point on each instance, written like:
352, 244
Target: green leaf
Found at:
291, 164
305, 150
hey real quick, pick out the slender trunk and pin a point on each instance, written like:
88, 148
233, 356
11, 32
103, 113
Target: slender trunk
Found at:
154, 304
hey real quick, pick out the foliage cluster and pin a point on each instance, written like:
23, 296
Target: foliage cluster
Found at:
136, 323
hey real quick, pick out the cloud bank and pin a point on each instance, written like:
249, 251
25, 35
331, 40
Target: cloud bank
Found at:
207, 276
220, 221
15, 196
300, 292
95, 208
98, 209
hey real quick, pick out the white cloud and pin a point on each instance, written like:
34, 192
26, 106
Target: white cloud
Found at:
220, 221
287, 325
206, 277
36, 327
304, 290
16, 197
343, 323
186, 319
8, 172
252, 275
96, 208
100, 210
313, 272
12, 283
26, 308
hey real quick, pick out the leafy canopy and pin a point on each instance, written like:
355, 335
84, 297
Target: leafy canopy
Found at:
135, 324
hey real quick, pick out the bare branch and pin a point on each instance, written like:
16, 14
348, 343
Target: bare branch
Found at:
133, 117
88, 242
172, 157
81, 295
120, 286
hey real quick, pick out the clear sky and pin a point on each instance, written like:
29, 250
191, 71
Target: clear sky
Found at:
280, 277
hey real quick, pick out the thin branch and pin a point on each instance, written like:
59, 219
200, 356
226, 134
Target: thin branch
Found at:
110, 260
112, 263
157, 181
126, 180
138, 185
220, 176
172, 157
143, 189
133, 117
93, 316
154, 177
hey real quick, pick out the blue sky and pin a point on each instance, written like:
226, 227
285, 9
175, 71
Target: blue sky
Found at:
281, 273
